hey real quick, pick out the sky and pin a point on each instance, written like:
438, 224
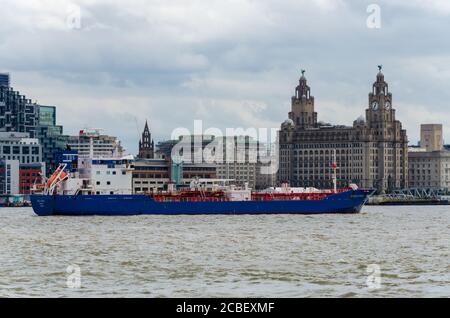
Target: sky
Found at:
112, 64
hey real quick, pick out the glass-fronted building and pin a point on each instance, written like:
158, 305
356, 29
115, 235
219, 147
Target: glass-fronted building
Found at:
4, 79
17, 113
51, 137
47, 115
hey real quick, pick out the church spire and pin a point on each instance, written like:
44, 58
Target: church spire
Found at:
146, 144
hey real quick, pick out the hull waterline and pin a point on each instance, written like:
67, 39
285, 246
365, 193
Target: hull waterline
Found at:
350, 201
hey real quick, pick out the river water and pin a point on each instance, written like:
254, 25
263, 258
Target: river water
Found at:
382, 252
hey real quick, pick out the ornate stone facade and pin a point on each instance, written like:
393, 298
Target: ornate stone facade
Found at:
371, 153
146, 144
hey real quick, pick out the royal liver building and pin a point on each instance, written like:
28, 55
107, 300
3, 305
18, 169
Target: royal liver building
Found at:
372, 153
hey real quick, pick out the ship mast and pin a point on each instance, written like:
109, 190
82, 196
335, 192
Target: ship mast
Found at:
334, 167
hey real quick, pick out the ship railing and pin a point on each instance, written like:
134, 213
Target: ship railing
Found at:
162, 199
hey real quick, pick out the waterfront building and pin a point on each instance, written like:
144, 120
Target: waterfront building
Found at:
21, 115
17, 113
266, 174
164, 148
429, 169
371, 153
191, 148
51, 137
431, 137
205, 172
151, 175
24, 166
102, 145
30, 174
189, 163
429, 163
19, 146
9, 177
146, 144
239, 160
4, 79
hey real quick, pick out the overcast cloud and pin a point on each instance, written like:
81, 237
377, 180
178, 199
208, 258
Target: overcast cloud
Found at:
231, 63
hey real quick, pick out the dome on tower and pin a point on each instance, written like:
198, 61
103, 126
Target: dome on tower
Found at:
287, 123
360, 119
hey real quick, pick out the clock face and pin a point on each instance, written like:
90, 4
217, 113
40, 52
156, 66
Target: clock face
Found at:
387, 105
375, 105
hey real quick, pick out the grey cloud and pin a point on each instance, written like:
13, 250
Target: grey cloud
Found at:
174, 61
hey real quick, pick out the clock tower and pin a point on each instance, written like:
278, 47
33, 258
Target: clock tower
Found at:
380, 111
302, 113
388, 146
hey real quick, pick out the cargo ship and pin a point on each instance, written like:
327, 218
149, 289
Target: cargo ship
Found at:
103, 187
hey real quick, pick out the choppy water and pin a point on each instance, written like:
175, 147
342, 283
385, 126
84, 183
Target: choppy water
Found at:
228, 256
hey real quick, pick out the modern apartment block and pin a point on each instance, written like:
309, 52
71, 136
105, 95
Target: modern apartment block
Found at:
22, 163
17, 113
104, 146
4, 80
20, 115
51, 136
9, 177
19, 146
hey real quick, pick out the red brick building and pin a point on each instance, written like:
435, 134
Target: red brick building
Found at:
29, 174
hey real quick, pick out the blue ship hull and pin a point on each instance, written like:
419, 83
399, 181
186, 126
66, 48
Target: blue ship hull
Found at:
350, 201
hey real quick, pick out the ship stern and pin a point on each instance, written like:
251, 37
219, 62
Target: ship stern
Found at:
43, 205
